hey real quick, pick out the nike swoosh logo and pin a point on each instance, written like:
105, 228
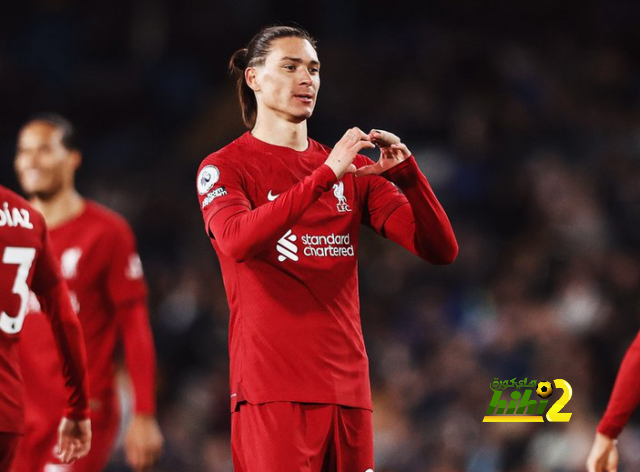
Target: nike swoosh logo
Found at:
271, 197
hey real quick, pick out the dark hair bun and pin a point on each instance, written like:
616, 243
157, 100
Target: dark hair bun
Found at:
238, 61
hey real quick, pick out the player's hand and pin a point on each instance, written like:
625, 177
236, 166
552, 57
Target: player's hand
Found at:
604, 455
392, 152
74, 440
344, 152
143, 442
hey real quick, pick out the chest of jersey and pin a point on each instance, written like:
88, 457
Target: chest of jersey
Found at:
327, 232
81, 261
81, 254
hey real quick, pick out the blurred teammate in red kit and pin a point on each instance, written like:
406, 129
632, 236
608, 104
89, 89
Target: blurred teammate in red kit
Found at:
98, 259
27, 263
625, 398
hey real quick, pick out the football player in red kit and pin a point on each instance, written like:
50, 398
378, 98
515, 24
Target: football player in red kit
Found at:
27, 263
625, 398
98, 259
283, 213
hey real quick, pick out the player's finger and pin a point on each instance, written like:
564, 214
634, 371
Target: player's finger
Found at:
353, 135
597, 460
351, 169
74, 451
143, 458
150, 458
83, 449
347, 136
402, 148
143, 462
66, 452
360, 145
376, 135
598, 466
63, 446
153, 453
147, 459
612, 464
133, 457
361, 134
601, 463
384, 138
354, 131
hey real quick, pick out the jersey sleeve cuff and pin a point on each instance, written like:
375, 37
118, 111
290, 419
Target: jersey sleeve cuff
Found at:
145, 410
405, 174
609, 430
325, 177
77, 414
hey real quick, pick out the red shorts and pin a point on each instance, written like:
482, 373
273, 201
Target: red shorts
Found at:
301, 437
8, 446
35, 452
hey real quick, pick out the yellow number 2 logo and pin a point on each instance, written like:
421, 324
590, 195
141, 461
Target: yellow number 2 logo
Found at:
554, 414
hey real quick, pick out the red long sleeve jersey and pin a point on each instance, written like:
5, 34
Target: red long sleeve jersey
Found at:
625, 396
286, 234
27, 263
99, 261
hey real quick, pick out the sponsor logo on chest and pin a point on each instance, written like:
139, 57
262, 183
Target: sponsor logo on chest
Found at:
325, 245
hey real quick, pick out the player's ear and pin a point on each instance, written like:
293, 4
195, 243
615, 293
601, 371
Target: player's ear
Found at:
251, 77
76, 159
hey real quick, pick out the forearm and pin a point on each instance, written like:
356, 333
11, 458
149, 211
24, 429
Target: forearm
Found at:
70, 343
140, 356
625, 396
422, 226
242, 233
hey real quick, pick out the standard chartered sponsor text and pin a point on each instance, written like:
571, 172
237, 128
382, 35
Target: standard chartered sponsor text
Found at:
331, 245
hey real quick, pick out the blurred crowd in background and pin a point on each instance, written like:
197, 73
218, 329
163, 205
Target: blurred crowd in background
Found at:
525, 117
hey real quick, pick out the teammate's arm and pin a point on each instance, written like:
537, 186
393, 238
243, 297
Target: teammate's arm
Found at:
143, 439
242, 233
625, 398
74, 433
415, 220
127, 292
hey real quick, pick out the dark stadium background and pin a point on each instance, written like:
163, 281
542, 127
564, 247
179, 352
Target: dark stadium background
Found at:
525, 117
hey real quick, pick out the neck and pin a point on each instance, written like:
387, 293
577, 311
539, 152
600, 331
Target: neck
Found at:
60, 208
282, 133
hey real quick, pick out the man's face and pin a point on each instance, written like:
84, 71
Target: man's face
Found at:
288, 82
43, 165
